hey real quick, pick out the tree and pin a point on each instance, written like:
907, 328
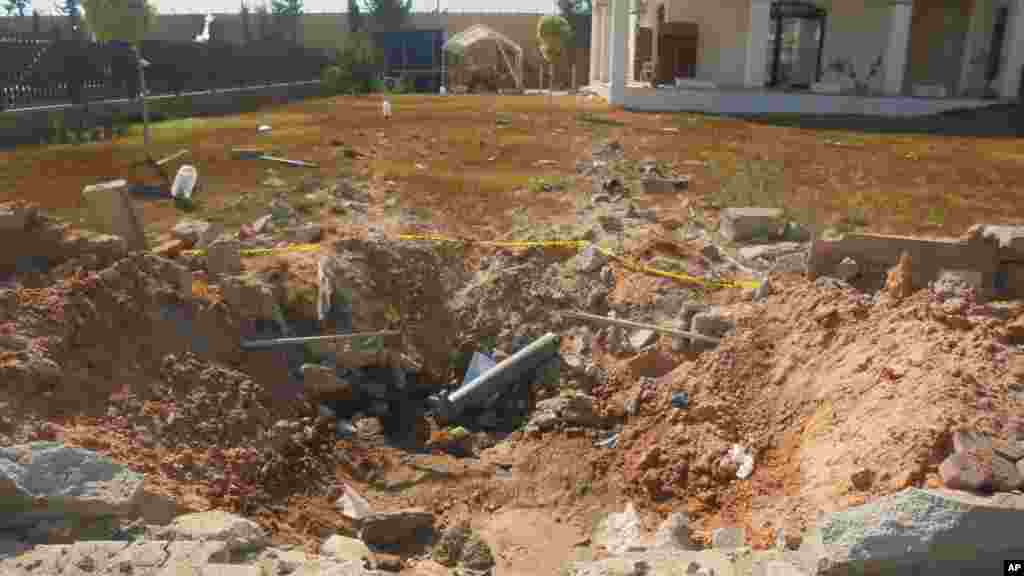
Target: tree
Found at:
577, 13
355, 16
288, 11
554, 34
123, 20
19, 6
246, 34
389, 14
72, 9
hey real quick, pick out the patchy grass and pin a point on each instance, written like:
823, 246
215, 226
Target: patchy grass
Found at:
466, 161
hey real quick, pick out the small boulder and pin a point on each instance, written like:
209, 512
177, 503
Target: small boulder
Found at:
348, 549
642, 338
729, 537
214, 525
390, 528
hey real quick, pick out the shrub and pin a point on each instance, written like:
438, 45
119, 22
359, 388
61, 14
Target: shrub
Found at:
355, 68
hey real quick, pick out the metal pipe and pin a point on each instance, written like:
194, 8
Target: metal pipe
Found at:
628, 324
255, 344
497, 379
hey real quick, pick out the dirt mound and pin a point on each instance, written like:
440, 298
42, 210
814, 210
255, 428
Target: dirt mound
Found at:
822, 384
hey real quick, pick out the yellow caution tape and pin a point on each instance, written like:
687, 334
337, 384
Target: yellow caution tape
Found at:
265, 251
582, 244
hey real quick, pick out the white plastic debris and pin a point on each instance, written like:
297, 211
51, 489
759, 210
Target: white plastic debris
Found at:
743, 459
263, 128
184, 182
385, 108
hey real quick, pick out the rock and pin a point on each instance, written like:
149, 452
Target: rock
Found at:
680, 563
342, 548
914, 531
642, 338
238, 533
769, 252
459, 545
712, 253
223, 258
664, 185
109, 209
189, 231
307, 234
389, 528
618, 532
574, 408
674, 532
387, 562
742, 224
476, 554
847, 270
590, 259
249, 297
899, 282
352, 505
729, 537
709, 324
47, 480
323, 380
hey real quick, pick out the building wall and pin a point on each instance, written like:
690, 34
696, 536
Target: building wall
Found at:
937, 35
328, 31
722, 31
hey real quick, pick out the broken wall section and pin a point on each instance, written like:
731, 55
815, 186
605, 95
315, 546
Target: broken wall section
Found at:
989, 257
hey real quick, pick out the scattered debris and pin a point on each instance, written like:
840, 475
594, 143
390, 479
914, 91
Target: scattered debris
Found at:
184, 182
619, 532
739, 459
290, 162
693, 335
680, 400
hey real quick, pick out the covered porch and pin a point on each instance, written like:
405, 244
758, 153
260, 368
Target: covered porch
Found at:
862, 57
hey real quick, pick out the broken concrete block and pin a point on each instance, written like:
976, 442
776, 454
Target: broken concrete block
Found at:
223, 258
729, 537
709, 324
742, 224
352, 505
236, 532
642, 338
109, 209
847, 269
342, 548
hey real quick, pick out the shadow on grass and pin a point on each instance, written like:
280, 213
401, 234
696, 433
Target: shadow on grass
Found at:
995, 121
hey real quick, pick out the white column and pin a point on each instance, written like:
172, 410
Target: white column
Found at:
631, 51
1013, 51
604, 43
758, 35
595, 39
895, 59
617, 50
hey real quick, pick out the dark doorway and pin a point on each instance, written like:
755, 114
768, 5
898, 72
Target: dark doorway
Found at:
677, 51
798, 36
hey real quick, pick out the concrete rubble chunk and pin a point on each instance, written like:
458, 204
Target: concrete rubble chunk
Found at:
109, 209
343, 548
769, 252
389, 528
353, 505
236, 532
590, 259
574, 408
728, 537
190, 230
642, 338
47, 480
915, 530
674, 532
223, 258
748, 223
323, 380
618, 532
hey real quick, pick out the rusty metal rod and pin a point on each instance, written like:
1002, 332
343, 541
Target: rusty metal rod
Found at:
253, 344
628, 324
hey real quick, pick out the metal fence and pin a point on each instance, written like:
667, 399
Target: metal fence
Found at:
38, 72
